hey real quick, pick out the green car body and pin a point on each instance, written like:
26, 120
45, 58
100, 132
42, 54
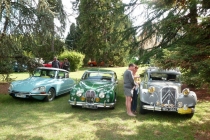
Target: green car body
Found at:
97, 88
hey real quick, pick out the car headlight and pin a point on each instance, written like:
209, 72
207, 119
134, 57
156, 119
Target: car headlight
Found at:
186, 91
39, 89
101, 95
151, 89
10, 87
79, 93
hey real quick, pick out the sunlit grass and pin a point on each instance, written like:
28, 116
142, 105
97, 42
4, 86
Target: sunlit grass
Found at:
32, 119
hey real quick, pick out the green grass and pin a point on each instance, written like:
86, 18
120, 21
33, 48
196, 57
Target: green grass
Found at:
32, 119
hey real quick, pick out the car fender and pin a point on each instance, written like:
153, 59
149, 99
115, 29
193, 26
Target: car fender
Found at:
190, 100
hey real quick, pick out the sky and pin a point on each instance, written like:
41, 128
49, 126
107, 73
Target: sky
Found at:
136, 18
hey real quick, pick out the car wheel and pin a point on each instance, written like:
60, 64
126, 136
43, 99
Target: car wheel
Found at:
73, 106
115, 100
142, 111
13, 96
51, 95
190, 115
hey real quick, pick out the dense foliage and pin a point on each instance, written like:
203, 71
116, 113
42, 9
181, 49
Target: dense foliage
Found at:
103, 33
179, 33
27, 27
75, 59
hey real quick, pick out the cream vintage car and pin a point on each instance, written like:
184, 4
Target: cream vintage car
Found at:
160, 90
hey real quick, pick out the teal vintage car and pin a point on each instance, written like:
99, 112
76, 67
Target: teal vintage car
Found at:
97, 88
45, 83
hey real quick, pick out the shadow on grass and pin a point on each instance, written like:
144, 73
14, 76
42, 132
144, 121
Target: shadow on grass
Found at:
109, 124
23, 137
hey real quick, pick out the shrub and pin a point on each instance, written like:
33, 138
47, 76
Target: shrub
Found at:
6, 68
75, 59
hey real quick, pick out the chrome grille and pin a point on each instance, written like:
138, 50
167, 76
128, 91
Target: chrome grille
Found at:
90, 96
169, 95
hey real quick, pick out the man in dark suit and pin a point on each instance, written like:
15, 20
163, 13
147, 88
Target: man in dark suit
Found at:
66, 65
55, 63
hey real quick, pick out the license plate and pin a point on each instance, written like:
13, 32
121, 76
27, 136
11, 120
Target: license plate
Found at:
90, 106
20, 95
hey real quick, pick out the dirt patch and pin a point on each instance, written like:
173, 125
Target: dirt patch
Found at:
4, 88
202, 93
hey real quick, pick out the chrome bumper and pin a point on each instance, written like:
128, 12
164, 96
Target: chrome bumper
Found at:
28, 94
171, 109
154, 108
92, 105
37, 94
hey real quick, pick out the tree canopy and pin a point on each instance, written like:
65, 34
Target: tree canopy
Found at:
105, 32
174, 34
179, 36
27, 26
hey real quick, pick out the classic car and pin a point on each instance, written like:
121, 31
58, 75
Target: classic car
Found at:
45, 83
102, 63
97, 88
160, 90
49, 64
17, 67
94, 63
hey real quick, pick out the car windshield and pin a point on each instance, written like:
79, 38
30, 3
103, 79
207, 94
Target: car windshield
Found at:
98, 76
164, 77
44, 73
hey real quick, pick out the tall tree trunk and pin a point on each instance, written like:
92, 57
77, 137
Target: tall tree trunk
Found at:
193, 12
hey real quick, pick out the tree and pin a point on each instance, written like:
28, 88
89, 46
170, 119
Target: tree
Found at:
28, 21
180, 31
104, 30
71, 37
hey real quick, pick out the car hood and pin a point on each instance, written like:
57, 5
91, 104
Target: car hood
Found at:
91, 84
163, 84
30, 83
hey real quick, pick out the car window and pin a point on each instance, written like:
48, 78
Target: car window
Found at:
61, 75
44, 73
66, 75
98, 76
37, 73
164, 77
158, 76
51, 74
115, 77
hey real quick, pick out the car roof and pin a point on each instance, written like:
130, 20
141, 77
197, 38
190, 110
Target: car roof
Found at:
50, 68
159, 70
99, 70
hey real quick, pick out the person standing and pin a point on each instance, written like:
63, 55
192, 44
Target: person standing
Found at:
128, 88
66, 64
55, 63
135, 90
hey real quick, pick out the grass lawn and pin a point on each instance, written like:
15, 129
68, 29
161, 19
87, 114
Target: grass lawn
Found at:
22, 119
